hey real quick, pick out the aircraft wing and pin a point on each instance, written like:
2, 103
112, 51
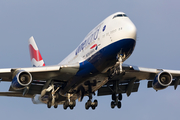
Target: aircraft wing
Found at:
129, 81
58, 72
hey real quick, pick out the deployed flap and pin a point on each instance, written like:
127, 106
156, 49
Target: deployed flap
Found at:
34, 89
108, 90
16, 94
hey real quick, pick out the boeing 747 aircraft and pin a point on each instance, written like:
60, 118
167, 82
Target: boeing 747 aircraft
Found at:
95, 65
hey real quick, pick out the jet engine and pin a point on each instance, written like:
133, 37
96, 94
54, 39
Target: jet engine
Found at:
21, 79
162, 80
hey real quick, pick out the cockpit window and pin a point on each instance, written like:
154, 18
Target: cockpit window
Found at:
120, 15
124, 15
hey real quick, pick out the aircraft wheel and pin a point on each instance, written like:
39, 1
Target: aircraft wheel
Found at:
65, 106
56, 96
71, 107
120, 96
89, 103
93, 107
96, 103
56, 105
112, 104
86, 106
74, 103
114, 97
50, 97
119, 105
49, 104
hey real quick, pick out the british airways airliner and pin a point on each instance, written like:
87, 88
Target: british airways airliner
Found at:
95, 65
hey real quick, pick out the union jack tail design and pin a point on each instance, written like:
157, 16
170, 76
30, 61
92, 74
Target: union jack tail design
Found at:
35, 55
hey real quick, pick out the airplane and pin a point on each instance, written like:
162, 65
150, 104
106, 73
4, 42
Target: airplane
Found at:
95, 66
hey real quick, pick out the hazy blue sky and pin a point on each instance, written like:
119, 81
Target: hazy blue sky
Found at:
58, 26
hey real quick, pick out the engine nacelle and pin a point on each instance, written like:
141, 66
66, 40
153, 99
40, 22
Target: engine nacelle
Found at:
21, 80
40, 100
162, 80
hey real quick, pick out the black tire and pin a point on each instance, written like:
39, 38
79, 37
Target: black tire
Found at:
93, 107
89, 103
74, 103
49, 104
65, 106
120, 96
55, 105
57, 96
71, 107
96, 103
119, 105
50, 97
86, 106
112, 104
114, 97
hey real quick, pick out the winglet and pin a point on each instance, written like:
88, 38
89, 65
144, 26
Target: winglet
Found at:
35, 55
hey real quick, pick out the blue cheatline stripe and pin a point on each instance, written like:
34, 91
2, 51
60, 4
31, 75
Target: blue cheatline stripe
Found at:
106, 57
86, 68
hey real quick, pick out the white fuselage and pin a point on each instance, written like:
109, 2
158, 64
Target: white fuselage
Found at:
114, 28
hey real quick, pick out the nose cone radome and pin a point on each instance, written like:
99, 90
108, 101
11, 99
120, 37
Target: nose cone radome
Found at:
131, 31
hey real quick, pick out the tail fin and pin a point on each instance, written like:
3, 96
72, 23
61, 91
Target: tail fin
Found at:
35, 55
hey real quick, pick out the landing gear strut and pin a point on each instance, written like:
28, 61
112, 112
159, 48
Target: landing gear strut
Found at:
117, 69
53, 96
89, 103
116, 96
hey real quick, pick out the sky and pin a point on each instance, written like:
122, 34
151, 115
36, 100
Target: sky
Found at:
58, 26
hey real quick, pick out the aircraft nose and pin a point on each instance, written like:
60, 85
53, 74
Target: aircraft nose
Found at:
131, 31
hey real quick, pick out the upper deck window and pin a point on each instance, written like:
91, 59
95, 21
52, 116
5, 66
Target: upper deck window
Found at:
120, 15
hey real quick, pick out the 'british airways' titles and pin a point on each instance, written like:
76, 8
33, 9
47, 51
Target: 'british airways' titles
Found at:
88, 40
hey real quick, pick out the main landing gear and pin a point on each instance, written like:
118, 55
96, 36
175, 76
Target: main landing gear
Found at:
89, 103
69, 103
53, 96
116, 101
52, 100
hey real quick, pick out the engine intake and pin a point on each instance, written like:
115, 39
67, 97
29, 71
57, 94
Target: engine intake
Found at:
162, 80
21, 80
